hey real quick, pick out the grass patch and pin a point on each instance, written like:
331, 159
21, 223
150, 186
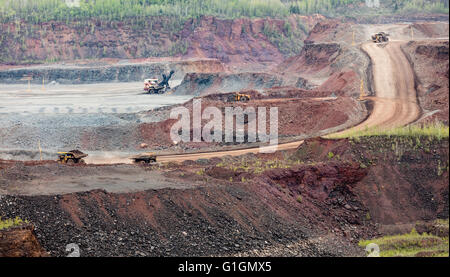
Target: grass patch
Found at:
11, 222
435, 130
411, 244
256, 166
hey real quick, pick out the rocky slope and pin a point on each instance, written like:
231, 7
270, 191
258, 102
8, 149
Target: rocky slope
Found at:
215, 217
231, 41
406, 179
431, 66
318, 200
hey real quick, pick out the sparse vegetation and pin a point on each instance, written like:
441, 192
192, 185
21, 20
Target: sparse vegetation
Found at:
11, 222
410, 245
330, 155
290, 40
200, 172
257, 166
436, 131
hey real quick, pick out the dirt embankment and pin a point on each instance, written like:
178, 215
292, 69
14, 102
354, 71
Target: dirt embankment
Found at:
429, 60
20, 242
231, 41
218, 217
301, 115
321, 199
406, 178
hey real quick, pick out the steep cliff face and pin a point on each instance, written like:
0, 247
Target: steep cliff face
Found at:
237, 40
20, 242
244, 40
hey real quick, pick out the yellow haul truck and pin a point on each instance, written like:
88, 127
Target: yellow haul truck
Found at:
71, 157
238, 97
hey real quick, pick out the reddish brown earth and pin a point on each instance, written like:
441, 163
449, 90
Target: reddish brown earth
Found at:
299, 115
362, 184
407, 178
20, 242
327, 65
431, 67
431, 29
312, 58
329, 30
340, 188
219, 217
237, 41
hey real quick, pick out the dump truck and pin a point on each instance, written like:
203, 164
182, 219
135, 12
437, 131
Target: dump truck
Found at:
144, 158
380, 37
238, 97
153, 86
71, 157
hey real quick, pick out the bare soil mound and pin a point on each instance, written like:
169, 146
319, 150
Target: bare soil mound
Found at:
213, 220
297, 116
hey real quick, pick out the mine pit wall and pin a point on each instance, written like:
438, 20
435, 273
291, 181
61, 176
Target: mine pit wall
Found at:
111, 73
406, 185
325, 65
405, 181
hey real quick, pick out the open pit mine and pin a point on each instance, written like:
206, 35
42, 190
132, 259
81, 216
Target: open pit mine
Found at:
89, 165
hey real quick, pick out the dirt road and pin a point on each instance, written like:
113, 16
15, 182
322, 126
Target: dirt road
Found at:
208, 155
395, 103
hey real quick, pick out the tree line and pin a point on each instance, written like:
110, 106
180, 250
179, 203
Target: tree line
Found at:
36, 11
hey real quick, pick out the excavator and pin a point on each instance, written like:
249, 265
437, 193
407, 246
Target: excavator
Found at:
152, 86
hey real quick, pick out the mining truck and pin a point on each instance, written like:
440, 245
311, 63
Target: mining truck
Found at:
144, 158
153, 86
71, 157
380, 37
238, 97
